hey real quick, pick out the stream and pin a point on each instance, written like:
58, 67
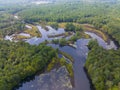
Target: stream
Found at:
58, 79
45, 34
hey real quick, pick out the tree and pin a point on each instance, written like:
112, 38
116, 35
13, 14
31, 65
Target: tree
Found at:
70, 27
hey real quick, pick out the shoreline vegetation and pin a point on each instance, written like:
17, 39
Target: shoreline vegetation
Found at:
103, 63
102, 19
20, 60
90, 28
58, 62
31, 30
55, 62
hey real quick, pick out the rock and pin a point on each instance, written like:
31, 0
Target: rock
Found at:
55, 80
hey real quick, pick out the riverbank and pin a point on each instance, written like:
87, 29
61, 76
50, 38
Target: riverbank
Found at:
90, 28
79, 53
32, 30
22, 60
113, 39
29, 31
90, 80
105, 36
99, 64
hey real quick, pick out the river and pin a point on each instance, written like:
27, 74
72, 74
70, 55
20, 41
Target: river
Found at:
58, 79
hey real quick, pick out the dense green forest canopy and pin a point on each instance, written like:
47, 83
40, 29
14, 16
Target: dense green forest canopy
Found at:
16, 62
103, 66
20, 60
104, 16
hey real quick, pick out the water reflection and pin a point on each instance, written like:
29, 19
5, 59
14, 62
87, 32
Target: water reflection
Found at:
58, 79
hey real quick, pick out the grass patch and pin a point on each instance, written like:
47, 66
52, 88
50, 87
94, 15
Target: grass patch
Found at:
20, 37
33, 32
67, 56
62, 25
86, 36
70, 69
114, 88
69, 66
90, 28
57, 62
52, 64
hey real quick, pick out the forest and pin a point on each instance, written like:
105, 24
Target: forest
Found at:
104, 16
103, 67
16, 62
20, 60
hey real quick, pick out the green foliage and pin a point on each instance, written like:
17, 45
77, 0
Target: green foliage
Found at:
54, 25
51, 64
92, 44
19, 60
69, 66
55, 41
70, 27
103, 67
8, 25
56, 62
70, 69
62, 42
78, 35
78, 28
74, 11
113, 28
67, 56
62, 61
104, 16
